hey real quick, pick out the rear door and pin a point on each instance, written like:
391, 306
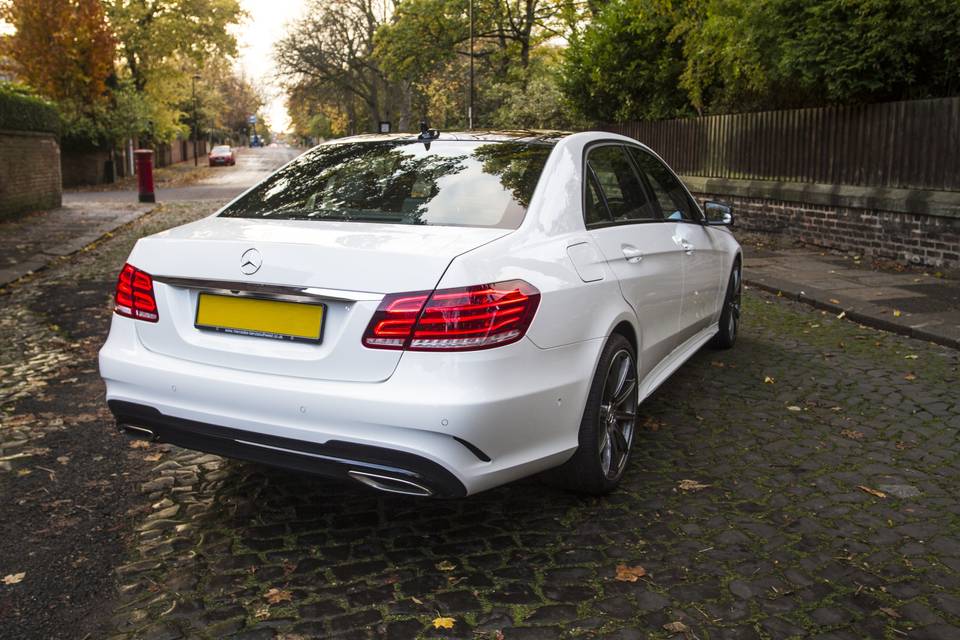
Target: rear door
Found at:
702, 255
625, 223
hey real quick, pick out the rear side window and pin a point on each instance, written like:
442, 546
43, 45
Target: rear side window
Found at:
595, 211
674, 202
619, 184
456, 183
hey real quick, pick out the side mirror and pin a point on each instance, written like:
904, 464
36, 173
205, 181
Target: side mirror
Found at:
718, 213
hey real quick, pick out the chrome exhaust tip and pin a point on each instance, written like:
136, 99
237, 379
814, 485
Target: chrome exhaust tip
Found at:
390, 484
137, 433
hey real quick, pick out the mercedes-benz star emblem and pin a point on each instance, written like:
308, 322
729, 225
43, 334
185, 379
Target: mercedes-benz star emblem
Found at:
250, 262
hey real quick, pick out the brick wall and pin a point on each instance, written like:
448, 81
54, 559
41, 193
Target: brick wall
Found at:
29, 172
921, 239
84, 167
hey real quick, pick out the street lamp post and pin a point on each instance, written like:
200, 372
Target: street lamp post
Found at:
470, 106
196, 128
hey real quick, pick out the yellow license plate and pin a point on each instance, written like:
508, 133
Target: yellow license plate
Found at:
275, 319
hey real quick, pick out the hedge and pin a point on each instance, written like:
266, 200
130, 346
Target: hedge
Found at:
21, 111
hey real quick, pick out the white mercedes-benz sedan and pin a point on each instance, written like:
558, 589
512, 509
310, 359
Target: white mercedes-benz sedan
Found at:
431, 314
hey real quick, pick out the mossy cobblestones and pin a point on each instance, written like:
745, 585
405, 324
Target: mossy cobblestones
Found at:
786, 430
783, 542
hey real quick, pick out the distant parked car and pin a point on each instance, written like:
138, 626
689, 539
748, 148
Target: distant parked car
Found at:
427, 315
222, 155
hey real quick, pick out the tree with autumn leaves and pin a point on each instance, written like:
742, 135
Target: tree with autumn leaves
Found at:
124, 68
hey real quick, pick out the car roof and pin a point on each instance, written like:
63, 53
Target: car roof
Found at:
529, 136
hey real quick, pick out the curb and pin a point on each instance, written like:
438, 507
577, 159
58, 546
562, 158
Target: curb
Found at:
864, 313
44, 258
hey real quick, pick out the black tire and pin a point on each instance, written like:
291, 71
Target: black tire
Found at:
608, 426
730, 315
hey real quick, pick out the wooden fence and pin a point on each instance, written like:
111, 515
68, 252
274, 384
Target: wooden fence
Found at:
913, 144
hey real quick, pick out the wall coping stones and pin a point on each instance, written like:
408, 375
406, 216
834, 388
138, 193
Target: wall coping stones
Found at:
943, 204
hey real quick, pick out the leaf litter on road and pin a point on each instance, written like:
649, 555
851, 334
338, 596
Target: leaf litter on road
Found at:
276, 596
442, 622
873, 492
629, 574
691, 485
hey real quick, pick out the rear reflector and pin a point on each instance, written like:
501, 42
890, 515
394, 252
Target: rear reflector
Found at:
460, 319
134, 296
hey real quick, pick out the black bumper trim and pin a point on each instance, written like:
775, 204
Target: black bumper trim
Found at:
332, 459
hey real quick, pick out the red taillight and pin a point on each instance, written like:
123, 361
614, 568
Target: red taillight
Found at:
459, 319
134, 297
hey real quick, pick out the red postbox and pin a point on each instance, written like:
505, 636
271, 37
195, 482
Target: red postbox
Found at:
144, 158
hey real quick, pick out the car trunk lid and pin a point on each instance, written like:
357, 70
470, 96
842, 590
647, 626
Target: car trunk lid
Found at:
346, 266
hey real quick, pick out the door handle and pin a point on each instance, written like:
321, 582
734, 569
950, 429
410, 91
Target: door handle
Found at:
632, 254
687, 246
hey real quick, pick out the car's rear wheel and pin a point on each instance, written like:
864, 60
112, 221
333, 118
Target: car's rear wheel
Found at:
730, 315
608, 425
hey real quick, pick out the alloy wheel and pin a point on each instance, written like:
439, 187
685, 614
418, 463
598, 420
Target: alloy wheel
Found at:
736, 293
618, 414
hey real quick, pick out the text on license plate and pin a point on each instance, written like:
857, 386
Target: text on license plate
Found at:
276, 319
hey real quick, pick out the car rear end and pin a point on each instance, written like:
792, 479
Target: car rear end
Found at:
304, 327
221, 156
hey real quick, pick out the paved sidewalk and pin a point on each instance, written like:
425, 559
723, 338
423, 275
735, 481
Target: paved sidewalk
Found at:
31, 242
920, 305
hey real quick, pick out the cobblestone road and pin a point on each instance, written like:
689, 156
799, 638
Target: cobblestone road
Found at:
824, 504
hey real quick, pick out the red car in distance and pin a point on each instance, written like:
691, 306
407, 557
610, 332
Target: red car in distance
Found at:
222, 155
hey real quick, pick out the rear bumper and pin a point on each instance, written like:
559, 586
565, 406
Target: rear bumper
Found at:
332, 459
484, 418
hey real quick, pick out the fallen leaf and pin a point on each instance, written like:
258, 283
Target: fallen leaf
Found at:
909, 377
691, 485
852, 434
718, 364
416, 599
841, 315
890, 612
276, 596
443, 623
794, 407
23, 472
834, 301
630, 574
652, 423
896, 313
675, 627
768, 380
910, 357
873, 492
14, 578
262, 613
63, 459
139, 444
446, 565
153, 457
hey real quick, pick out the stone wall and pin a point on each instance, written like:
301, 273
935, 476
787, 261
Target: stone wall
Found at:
919, 227
29, 172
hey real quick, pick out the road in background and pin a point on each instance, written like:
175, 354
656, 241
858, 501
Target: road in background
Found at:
253, 165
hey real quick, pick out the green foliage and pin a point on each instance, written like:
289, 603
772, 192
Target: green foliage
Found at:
21, 110
662, 58
533, 99
872, 49
624, 66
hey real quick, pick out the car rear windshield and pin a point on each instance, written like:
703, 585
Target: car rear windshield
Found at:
457, 183
221, 149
